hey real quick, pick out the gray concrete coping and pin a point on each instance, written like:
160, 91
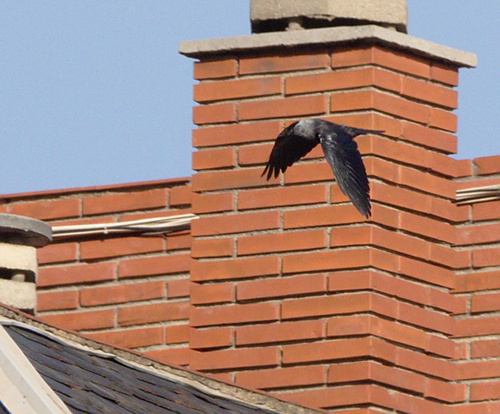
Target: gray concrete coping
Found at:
24, 231
392, 13
326, 36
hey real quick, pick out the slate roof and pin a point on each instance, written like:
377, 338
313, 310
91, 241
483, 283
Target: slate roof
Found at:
95, 378
101, 384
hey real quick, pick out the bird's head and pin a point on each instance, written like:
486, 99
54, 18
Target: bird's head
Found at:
307, 128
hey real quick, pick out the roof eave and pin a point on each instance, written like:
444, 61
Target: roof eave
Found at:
195, 379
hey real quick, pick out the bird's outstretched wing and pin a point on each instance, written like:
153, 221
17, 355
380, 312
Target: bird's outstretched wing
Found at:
354, 132
288, 148
341, 152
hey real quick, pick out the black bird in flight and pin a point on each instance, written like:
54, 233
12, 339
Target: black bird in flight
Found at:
340, 149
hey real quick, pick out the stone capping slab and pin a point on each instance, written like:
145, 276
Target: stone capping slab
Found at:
334, 35
391, 12
24, 231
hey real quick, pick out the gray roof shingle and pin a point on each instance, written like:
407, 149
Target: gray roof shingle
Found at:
99, 383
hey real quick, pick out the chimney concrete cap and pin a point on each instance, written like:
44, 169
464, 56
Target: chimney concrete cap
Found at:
275, 15
331, 36
24, 231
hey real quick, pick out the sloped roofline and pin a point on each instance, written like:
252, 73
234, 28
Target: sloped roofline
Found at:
23, 390
136, 360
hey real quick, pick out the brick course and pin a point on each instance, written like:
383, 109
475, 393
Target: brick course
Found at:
98, 285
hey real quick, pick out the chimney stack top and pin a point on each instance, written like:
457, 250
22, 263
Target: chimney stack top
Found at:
24, 231
19, 238
281, 15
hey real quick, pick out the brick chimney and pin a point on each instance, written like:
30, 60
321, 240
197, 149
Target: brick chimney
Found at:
19, 238
293, 291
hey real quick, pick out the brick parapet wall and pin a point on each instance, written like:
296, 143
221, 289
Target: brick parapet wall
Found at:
131, 291
479, 284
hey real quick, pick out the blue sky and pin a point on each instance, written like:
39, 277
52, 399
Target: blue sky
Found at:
94, 92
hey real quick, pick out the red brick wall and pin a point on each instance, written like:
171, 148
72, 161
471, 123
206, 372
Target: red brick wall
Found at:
294, 292
130, 291
284, 286
479, 284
